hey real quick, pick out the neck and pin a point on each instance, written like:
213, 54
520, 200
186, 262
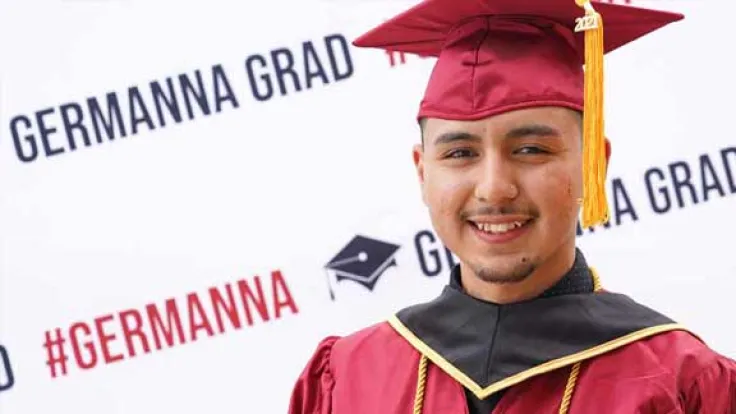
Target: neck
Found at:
546, 275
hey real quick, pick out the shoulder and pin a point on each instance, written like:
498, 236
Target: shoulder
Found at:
683, 357
380, 334
369, 347
361, 353
705, 379
658, 344
683, 353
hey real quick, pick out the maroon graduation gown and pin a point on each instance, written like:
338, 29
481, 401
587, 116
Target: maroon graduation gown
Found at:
630, 360
375, 371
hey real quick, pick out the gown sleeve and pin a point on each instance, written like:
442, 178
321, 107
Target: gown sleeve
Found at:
713, 390
312, 393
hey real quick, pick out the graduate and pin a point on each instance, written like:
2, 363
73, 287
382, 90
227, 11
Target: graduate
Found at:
512, 156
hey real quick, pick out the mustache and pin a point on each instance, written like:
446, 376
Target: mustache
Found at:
499, 211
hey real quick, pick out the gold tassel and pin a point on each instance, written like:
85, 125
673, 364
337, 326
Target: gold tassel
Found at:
595, 203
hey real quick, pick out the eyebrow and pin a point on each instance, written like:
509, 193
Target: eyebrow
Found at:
450, 137
539, 130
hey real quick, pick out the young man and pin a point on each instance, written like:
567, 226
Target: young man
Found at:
512, 142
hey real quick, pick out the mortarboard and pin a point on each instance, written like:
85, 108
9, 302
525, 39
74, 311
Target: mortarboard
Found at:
500, 55
363, 260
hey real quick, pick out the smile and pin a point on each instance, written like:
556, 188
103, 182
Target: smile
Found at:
500, 231
499, 228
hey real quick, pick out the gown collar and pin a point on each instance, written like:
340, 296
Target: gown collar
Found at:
488, 347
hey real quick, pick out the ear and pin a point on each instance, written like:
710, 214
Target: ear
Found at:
418, 154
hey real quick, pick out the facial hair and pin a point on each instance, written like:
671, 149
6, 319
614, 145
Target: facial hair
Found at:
518, 273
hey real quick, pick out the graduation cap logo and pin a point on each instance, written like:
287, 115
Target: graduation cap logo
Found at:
363, 261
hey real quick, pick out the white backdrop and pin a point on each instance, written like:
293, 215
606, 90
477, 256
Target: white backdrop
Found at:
110, 242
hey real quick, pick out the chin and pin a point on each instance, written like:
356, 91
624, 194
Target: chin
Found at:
505, 270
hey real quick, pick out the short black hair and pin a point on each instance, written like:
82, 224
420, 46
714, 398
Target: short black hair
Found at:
422, 125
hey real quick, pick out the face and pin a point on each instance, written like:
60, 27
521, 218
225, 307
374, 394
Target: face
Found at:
503, 192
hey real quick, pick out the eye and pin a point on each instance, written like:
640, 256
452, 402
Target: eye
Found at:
459, 153
531, 150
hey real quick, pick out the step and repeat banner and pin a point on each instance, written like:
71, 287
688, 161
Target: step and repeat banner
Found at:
185, 188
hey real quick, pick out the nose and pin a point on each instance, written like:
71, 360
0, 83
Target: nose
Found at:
496, 181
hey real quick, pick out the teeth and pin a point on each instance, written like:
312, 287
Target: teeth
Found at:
498, 228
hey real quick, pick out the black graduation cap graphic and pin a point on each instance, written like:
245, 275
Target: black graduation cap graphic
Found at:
363, 261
